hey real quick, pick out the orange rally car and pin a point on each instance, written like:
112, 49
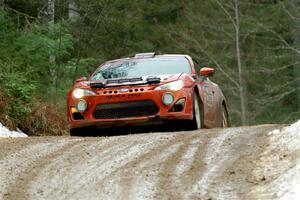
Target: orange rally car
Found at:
144, 89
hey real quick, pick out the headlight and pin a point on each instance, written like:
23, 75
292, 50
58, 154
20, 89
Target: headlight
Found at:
174, 86
79, 93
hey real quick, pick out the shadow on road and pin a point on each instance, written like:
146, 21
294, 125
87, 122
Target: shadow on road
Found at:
126, 130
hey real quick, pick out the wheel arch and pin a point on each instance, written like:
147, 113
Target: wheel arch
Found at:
197, 91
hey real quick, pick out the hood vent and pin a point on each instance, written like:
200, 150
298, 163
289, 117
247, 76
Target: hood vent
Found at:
118, 91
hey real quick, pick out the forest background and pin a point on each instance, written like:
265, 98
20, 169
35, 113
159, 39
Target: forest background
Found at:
45, 45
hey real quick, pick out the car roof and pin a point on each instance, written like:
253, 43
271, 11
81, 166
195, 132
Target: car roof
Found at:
170, 56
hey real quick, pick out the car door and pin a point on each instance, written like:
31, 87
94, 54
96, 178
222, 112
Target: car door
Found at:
210, 95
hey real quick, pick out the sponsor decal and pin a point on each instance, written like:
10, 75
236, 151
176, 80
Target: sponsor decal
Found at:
208, 98
133, 95
205, 88
122, 96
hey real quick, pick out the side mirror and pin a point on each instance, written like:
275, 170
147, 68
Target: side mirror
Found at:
81, 79
207, 71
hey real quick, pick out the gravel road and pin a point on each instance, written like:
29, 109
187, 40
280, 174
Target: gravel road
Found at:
234, 163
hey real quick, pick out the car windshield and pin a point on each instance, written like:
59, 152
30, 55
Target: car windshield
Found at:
142, 67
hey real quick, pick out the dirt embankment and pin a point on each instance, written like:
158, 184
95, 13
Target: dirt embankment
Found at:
235, 163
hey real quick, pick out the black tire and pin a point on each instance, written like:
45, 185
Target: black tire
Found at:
225, 121
85, 131
197, 122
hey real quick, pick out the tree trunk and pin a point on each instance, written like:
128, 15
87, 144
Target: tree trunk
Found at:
52, 58
295, 10
53, 74
2, 5
51, 10
72, 13
239, 64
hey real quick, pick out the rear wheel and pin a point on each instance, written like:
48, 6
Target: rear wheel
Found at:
225, 121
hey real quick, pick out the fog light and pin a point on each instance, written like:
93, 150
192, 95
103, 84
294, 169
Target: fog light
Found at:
167, 98
74, 110
180, 102
179, 106
81, 105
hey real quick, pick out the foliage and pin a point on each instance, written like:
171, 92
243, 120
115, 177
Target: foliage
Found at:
38, 57
25, 68
21, 93
44, 119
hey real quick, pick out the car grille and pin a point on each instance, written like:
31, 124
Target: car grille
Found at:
125, 109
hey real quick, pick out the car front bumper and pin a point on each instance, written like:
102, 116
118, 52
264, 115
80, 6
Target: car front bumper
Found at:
111, 97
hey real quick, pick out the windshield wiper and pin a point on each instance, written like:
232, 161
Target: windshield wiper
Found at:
152, 80
97, 85
124, 80
130, 81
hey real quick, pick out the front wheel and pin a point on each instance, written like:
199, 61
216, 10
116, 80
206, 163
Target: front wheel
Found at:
197, 122
225, 120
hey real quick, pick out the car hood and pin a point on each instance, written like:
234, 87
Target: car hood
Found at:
164, 78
